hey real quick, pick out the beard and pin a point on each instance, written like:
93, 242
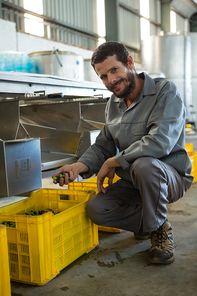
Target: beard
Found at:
130, 85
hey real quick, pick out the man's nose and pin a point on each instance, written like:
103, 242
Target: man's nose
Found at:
111, 78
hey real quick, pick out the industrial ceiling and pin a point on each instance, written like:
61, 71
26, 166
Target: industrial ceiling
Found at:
185, 7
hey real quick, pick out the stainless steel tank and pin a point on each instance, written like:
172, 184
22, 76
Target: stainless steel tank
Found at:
89, 73
171, 55
59, 63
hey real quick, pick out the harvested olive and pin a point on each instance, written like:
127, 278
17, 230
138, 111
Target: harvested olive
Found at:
61, 175
9, 224
38, 213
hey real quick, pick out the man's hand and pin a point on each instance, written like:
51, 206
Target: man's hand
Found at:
71, 172
107, 170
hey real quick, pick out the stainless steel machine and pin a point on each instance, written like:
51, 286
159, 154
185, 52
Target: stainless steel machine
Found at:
61, 116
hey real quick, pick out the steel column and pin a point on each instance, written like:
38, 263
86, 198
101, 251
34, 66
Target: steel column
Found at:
165, 15
0, 9
111, 20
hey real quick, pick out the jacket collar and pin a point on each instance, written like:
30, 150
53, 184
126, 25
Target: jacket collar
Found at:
148, 88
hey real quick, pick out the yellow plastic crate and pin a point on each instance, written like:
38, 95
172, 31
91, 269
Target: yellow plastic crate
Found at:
189, 147
94, 180
193, 158
41, 246
5, 289
91, 184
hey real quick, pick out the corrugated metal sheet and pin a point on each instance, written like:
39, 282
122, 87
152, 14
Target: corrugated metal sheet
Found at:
135, 4
136, 56
155, 8
129, 31
158, 8
154, 30
70, 37
155, 16
180, 23
79, 13
185, 7
15, 2
127, 19
128, 23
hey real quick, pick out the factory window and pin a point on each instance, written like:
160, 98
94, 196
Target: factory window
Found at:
193, 23
144, 22
34, 25
101, 20
145, 28
144, 8
172, 21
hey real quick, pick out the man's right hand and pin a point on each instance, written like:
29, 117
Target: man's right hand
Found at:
72, 172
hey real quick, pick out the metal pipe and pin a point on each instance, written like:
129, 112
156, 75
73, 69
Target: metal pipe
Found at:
57, 56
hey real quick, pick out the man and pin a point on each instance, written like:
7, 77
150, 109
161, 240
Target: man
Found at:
142, 142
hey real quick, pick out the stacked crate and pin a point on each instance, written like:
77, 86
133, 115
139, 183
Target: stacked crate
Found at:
193, 157
91, 184
4, 263
40, 246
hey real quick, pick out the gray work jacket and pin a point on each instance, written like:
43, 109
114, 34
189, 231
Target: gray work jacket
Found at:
154, 125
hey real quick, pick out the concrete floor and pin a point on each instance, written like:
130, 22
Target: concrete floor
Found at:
119, 265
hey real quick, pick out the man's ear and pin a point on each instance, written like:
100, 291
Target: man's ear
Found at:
130, 62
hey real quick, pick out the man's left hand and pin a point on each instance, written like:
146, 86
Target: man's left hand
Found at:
107, 170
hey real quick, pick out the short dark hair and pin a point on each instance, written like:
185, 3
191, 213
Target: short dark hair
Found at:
107, 49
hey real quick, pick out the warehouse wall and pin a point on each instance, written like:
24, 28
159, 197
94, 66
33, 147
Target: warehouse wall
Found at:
12, 40
72, 21
26, 43
7, 35
129, 29
130, 15
80, 13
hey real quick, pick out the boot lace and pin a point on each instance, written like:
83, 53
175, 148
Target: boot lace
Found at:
161, 237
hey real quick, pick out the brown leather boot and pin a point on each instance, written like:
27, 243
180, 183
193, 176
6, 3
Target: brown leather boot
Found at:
162, 250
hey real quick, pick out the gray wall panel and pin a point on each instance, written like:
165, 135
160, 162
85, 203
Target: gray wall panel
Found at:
154, 7
79, 13
135, 4
129, 28
154, 30
15, 2
180, 23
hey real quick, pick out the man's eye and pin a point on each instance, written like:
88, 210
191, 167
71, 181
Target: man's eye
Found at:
114, 69
103, 77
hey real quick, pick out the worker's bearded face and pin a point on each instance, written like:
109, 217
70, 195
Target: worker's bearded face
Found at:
129, 85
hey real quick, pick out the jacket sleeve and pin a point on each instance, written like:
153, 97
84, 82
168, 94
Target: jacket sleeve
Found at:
98, 153
165, 127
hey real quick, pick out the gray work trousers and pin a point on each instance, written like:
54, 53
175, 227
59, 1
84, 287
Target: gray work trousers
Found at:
155, 184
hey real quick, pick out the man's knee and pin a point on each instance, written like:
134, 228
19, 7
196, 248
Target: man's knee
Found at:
93, 213
143, 167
